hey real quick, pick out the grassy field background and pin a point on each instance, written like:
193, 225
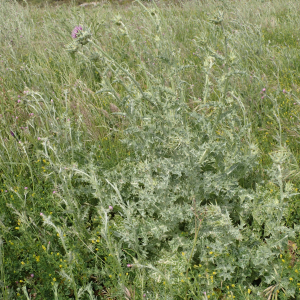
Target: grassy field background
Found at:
108, 139
79, 2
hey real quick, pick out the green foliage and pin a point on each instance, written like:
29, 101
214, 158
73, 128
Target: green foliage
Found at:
148, 162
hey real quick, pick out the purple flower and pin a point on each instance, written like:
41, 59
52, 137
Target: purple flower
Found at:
12, 133
284, 91
129, 266
32, 275
75, 31
263, 89
41, 214
110, 207
26, 188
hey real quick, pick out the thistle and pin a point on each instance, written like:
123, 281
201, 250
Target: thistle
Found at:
95, 56
81, 35
76, 31
72, 47
118, 20
218, 18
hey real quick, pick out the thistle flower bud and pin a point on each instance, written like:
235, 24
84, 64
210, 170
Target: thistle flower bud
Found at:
118, 20
153, 12
202, 40
218, 18
72, 47
232, 58
95, 56
81, 35
208, 62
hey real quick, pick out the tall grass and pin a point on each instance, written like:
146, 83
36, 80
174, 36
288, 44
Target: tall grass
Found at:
155, 156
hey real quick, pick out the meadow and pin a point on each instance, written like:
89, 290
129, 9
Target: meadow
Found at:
150, 150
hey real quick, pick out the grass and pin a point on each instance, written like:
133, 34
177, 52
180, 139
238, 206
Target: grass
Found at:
59, 135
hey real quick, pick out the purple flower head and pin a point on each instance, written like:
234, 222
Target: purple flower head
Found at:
32, 275
129, 266
26, 188
41, 214
284, 91
264, 89
110, 207
12, 133
75, 31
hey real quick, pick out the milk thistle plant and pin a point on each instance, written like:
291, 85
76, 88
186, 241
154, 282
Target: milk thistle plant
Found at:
80, 37
183, 168
184, 212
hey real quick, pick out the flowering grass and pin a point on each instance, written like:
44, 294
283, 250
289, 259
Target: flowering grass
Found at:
150, 152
